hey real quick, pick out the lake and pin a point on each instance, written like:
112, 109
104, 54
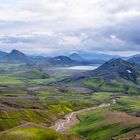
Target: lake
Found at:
86, 67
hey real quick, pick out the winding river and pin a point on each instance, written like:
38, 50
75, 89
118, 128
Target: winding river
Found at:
63, 125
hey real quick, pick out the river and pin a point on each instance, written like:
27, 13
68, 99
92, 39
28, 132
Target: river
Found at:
63, 125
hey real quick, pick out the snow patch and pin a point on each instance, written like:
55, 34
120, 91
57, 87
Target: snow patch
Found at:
129, 71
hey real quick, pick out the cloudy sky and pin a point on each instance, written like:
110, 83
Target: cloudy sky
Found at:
58, 26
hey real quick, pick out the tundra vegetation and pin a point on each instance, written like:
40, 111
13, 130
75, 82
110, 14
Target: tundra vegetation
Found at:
34, 97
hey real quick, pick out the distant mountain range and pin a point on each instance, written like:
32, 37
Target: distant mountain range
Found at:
76, 58
99, 58
17, 57
2, 54
116, 75
87, 59
89, 56
135, 59
59, 61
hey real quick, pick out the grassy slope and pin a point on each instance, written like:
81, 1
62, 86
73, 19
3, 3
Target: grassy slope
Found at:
112, 122
9, 119
127, 103
95, 124
50, 103
9, 80
57, 103
17, 74
114, 85
43, 107
31, 133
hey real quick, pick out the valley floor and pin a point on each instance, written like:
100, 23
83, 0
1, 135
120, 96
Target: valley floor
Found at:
29, 107
35, 113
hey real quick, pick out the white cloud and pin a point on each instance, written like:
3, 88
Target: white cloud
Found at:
69, 24
72, 40
113, 37
82, 12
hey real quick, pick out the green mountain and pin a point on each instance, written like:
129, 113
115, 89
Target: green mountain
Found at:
116, 75
116, 69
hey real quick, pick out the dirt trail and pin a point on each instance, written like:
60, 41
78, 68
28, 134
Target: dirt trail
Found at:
62, 125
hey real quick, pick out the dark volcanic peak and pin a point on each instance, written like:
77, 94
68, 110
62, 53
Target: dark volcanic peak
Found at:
57, 62
76, 57
16, 52
64, 60
16, 56
116, 64
118, 68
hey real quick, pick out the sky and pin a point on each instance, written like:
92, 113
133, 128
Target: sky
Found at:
64, 26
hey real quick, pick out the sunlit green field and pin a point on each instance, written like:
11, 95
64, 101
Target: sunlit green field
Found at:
52, 102
31, 133
121, 85
9, 80
113, 122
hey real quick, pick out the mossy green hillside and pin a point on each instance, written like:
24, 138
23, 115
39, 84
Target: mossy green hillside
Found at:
104, 125
31, 134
